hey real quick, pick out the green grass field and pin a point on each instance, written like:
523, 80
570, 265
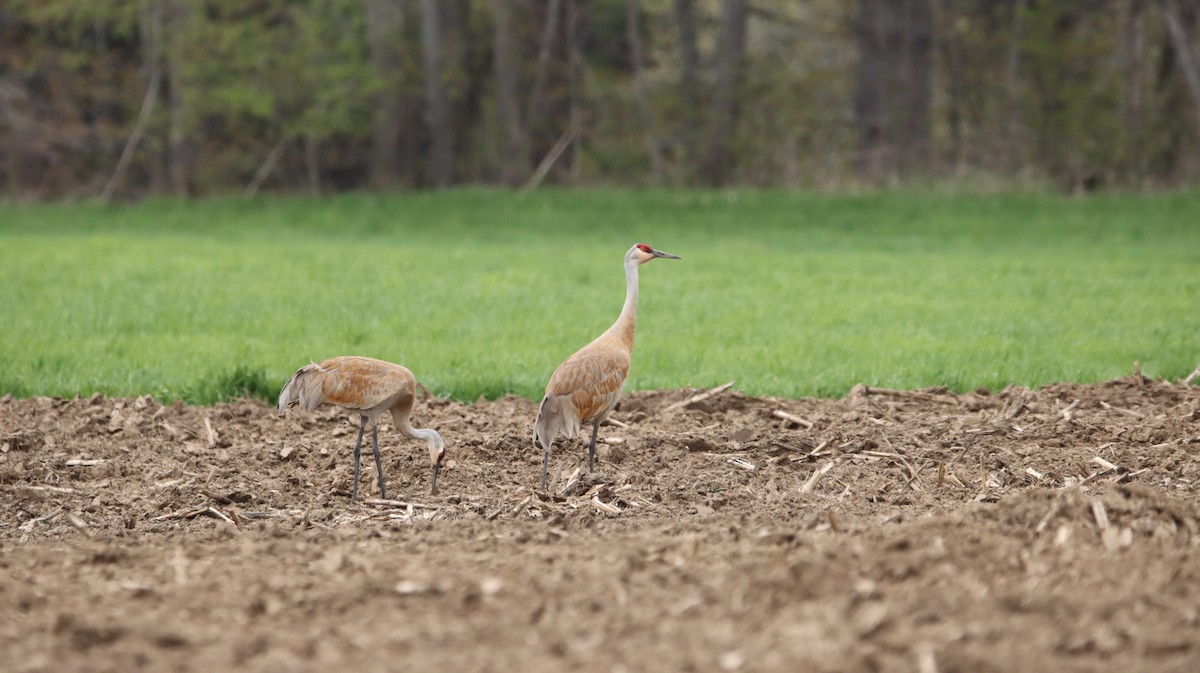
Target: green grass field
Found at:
483, 292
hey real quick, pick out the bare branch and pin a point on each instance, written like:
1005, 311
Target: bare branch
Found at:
139, 128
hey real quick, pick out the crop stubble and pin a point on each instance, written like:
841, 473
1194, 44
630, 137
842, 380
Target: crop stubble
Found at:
1052, 529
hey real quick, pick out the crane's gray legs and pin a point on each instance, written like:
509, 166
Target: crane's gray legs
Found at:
545, 465
357, 446
591, 456
592, 448
378, 460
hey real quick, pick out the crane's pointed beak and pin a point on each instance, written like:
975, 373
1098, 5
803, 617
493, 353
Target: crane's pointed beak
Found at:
666, 255
437, 467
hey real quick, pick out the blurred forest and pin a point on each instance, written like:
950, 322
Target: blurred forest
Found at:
130, 98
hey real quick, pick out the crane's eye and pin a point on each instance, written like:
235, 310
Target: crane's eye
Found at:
645, 248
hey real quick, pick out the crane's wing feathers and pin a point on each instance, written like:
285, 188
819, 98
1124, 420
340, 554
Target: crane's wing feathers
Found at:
552, 422
349, 382
584, 388
301, 389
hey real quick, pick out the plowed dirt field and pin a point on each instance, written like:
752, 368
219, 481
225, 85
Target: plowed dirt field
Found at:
1023, 530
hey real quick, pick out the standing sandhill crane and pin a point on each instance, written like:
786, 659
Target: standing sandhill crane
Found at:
367, 387
585, 388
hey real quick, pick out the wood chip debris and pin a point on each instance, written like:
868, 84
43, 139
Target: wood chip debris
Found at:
604, 506
1125, 412
414, 588
792, 418
45, 489
831, 517
180, 431
1067, 412
572, 482
1190, 377
1115, 538
913, 479
914, 394
378, 502
700, 397
78, 523
81, 462
816, 476
1099, 513
1018, 404
45, 518
193, 512
212, 434
742, 463
1055, 508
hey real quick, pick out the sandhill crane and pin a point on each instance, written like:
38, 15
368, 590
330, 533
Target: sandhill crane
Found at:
585, 388
367, 387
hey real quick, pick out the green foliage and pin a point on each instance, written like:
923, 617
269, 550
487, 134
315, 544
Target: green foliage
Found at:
286, 63
68, 22
484, 293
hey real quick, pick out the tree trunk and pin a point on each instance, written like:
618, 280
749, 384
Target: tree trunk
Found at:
731, 52
892, 105
182, 148
464, 85
545, 54
312, 163
441, 125
1184, 54
633, 33
514, 146
689, 79
576, 26
384, 39
1014, 132
413, 138
1133, 98
554, 102
868, 104
152, 21
154, 63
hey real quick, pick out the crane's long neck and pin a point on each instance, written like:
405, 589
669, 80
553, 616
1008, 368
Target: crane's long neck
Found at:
428, 435
425, 434
624, 327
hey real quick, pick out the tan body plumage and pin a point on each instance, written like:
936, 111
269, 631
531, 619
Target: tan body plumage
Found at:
369, 388
586, 386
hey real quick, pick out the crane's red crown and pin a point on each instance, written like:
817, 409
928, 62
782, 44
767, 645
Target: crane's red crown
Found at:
644, 248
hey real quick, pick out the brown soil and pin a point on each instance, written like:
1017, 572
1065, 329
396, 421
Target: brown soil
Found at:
1010, 531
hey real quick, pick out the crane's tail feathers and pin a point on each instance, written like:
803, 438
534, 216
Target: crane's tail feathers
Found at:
304, 388
556, 418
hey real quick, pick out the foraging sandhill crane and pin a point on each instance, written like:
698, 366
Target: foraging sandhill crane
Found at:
367, 387
585, 388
